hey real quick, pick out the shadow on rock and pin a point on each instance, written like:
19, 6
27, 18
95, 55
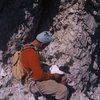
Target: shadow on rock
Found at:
12, 15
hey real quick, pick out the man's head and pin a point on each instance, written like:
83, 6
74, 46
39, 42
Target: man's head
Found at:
44, 37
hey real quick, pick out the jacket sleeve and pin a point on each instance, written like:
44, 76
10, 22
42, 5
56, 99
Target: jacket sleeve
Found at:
35, 66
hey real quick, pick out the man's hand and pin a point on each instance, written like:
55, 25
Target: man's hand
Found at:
57, 77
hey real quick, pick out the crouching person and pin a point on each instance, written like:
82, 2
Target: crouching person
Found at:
45, 81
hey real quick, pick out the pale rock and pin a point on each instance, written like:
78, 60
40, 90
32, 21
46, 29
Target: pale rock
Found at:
74, 32
2, 73
31, 97
83, 97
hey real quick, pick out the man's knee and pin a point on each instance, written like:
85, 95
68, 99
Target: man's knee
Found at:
62, 93
65, 91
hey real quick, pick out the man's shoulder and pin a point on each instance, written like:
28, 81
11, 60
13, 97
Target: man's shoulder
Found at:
28, 51
29, 47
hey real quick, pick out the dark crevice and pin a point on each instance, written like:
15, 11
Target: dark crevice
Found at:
90, 7
12, 15
50, 9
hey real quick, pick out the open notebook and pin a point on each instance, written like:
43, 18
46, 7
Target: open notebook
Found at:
55, 69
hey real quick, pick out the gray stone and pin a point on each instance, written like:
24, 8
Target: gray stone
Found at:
72, 45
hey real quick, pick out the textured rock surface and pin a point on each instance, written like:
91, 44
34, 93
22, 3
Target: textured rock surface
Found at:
76, 44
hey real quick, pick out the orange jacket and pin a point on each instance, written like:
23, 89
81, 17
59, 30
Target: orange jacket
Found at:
30, 60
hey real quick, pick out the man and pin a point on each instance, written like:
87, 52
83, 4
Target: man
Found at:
30, 59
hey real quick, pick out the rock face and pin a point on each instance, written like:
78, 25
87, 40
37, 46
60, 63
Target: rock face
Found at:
76, 45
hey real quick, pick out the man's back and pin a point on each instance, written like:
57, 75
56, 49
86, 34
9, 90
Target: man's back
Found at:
30, 60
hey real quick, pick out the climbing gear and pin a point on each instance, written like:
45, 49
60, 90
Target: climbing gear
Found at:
44, 37
17, 70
